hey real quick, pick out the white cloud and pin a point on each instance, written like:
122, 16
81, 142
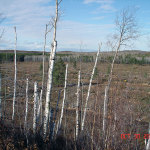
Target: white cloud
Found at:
104, 5
70, 34
29, 16
98, 18
97, 1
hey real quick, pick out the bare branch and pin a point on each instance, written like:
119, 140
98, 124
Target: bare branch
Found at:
59, 2
126, 26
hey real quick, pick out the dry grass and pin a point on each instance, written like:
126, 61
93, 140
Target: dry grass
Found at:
130, 92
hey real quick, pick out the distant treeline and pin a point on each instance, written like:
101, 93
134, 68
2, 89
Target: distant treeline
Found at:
130, 59
20, 56
37, 57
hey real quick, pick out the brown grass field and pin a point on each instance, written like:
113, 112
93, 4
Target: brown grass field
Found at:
129, 98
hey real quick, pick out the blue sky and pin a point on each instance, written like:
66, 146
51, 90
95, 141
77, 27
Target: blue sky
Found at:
84, 23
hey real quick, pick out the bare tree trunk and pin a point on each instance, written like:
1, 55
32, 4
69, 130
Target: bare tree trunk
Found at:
63, 103
107, 89
77, 107
35, 107
39, 109
15, 75
43, 75
4, 109
92, 134
40, 118
50, 72
89, 89
26, 110
56, 110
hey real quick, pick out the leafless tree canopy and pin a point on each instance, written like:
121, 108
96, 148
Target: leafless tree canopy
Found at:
126, 26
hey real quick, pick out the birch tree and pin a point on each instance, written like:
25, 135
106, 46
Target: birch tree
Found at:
77, 106
15, 75
63, 103
50, 70
26, 110
89, 89
35, 107
126, 28
43, 74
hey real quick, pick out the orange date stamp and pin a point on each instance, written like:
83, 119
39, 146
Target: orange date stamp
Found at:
136, 136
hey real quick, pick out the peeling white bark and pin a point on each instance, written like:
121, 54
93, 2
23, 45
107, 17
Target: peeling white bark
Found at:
15, 75
89, 89
77, 106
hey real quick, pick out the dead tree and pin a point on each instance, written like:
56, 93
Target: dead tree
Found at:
35, 107
89, 89
26, 110
50, 70
63, 103
126, 31
15, 75
94, 120
77, 106
43, 75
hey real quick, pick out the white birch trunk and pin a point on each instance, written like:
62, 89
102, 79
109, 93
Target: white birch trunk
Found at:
63, 103
15, 75
105, 109
39, 106
43, 75
0, 97
50, 74
26, 110
107, 89
148, 143
40, 118
77, 107
89, 89
35, 107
